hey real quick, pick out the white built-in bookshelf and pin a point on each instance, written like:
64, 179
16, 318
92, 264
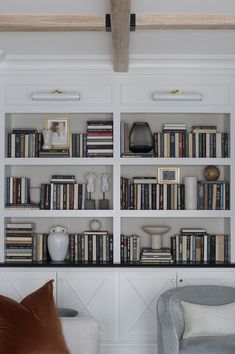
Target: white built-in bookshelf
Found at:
122, 99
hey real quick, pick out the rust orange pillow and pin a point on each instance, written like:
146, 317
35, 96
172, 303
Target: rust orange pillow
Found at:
32, 326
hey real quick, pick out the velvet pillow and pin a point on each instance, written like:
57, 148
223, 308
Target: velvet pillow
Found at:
32, 326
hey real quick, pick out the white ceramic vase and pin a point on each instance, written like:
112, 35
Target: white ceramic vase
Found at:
156, 232
190, 185
47, 136
58, 243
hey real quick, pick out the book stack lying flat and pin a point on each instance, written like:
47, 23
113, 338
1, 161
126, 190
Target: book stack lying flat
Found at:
152, 255
63, 193
54, 153
19, 242
100, 138
24, 142
130, 248
196, 245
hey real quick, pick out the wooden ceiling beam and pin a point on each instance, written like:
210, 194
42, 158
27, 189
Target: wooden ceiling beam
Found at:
97, 23
185, 22
52, 23
120, 23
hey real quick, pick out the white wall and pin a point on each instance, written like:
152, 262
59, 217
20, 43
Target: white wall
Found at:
142, 42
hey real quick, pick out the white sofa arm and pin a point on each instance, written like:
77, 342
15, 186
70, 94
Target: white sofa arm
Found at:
82, 334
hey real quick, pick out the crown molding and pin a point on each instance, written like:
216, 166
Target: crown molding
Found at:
104, 62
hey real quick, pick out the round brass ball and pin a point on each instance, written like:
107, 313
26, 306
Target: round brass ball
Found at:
211, 173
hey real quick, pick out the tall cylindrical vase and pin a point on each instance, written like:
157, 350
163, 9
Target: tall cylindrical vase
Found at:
190, 185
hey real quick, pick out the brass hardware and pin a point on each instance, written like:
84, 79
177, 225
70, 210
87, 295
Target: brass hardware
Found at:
176, 92
57, 91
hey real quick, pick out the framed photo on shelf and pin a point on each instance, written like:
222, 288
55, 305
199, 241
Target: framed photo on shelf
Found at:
60, 128
168, 175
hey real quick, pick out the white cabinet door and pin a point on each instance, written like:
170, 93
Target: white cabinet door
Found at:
91, 292
139, 291
19, 283
206, 277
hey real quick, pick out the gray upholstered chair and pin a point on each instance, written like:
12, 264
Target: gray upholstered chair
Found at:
170, 319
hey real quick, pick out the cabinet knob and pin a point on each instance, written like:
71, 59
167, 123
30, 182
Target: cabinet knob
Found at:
60, 280
173, 280
181, 280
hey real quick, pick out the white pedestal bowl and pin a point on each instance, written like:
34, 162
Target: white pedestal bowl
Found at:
156, 232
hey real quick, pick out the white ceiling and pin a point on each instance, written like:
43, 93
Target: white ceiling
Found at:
142, 42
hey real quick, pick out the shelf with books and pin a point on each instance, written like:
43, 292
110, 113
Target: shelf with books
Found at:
26, 241
35, 135
57, 193
136, 242
186, 135
155, 191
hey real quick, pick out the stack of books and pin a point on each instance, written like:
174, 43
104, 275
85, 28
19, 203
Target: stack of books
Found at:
63, 193
24, 142
100, 138
143, 193
213, 195
18, 192
79, 145
54, 153
19, 242
196, 245
130, 248
153, 255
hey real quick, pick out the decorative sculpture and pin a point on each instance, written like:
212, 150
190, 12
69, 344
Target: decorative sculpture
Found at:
90, 180
105, 186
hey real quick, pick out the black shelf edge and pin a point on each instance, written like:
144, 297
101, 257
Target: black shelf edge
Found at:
114, 265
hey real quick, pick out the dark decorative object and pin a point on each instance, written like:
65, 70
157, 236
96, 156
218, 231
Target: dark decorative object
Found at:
140, 138
211, 173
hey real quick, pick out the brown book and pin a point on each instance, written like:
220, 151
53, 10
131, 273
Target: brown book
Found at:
219, 248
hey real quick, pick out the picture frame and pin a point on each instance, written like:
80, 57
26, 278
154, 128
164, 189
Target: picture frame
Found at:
60, 131
168, 175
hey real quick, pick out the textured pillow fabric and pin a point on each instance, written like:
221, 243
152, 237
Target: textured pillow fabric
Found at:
203, 320
32, 326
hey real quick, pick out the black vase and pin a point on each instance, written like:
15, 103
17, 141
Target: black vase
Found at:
140, 138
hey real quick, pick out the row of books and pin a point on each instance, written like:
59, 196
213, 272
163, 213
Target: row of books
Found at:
24, 142
156, 256
79, 145
19, 242
63, 193
178, 144
100, 138
196, 245
89, 246
213, 195
23, 245
17, 191
144, 193
130, 248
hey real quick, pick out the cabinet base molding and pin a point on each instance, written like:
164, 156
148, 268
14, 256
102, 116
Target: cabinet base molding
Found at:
128, 349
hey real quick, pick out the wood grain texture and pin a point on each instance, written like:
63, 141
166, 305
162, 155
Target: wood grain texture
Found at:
120, 23
185, 22
51, 23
